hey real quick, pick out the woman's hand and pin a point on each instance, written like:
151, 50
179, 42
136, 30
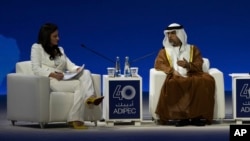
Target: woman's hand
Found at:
57, 75
78, 69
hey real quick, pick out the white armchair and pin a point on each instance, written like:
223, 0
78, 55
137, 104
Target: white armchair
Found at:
29, 98
157, 78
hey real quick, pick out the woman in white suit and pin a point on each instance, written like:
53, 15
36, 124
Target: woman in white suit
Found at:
49, 59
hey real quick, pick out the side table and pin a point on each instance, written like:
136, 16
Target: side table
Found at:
241, 96
122, 99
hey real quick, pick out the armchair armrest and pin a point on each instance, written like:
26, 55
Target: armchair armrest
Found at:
97, 114
156, 80
97, 83
28, 97
219, 97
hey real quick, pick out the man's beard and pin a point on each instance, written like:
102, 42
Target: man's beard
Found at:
173, 43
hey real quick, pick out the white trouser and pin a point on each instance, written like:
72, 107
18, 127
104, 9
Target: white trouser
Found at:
82, 87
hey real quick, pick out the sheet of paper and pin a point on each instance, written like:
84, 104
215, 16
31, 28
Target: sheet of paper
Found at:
69, 75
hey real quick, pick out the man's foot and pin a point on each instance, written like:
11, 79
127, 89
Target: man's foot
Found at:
165, 122
95, 100
77, 125
161, 122
198, 122
182, 122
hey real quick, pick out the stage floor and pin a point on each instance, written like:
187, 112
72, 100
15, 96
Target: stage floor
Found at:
122, 131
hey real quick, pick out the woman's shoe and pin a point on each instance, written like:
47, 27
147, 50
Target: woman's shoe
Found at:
77, 125
94, 100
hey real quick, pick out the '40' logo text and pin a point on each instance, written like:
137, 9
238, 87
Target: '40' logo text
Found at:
245, 91
127, 92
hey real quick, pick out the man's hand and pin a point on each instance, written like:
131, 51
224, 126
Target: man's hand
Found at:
183, 63
177, 73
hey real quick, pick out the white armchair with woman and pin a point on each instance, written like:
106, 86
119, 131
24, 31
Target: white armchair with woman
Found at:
49, 59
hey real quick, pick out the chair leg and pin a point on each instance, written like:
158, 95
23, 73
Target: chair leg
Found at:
95, 123
221, 120
42, 125
13, 122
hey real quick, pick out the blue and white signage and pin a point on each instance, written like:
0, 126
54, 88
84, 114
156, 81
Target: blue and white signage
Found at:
124, 99
243, 98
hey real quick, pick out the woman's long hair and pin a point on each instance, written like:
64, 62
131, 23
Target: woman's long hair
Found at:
44, 39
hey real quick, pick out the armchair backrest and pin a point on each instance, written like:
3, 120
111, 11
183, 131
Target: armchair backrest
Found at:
24, 67
206, 65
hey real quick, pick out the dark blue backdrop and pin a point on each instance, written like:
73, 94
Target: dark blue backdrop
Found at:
122, 28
